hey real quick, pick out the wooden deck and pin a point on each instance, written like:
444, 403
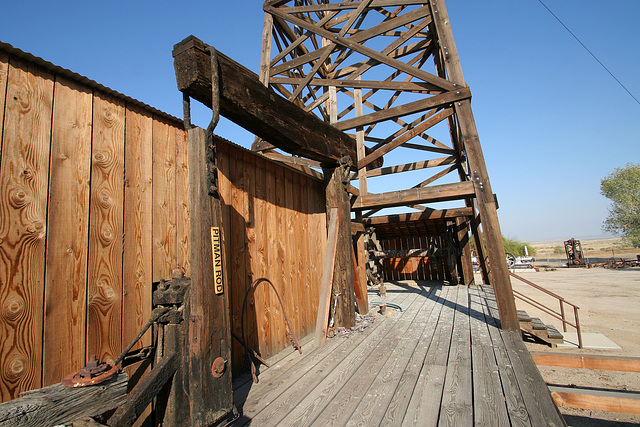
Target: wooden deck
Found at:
441, 361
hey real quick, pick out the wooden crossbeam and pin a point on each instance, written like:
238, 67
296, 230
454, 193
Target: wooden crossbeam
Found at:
412, 166
247, 102
609, 363
437, 101
427, 214
599, 400
435, 193
414, 87
422, 127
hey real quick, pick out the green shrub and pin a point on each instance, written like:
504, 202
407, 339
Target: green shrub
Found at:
516, 247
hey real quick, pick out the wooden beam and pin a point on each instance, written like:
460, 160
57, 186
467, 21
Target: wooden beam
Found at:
322, 318
427, 124
411, 166
207, 308
297, 163
360, 279
247, 102
427, 214
57, 404
145, 392
607, 363
484, 195
356, 227
415, 87
437, 101
343, 280
598, 400
435, 193
465, 250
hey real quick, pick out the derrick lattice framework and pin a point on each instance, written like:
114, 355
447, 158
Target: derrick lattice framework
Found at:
387, 73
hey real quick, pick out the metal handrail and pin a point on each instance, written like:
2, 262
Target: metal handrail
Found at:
558, 315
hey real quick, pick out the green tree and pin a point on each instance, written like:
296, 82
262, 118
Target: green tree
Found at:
622, 187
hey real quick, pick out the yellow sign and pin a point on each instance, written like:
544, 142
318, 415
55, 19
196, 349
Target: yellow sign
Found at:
216, 251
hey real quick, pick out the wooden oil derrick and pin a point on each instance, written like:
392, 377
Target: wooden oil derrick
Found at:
387, 73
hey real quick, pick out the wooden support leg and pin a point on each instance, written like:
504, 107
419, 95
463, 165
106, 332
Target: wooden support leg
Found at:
336, 179
361, 256
452, 252
207, 308
478, 171
327, 279
466, 266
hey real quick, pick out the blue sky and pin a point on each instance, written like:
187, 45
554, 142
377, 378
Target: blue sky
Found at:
552, 122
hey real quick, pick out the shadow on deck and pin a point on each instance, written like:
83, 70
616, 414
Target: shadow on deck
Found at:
442, 361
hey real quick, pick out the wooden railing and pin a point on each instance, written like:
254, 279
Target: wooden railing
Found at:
558, 315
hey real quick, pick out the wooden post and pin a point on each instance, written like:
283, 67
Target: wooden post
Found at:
477, 168
336, 178
206, 311
452, 252
327, 279
466, 266
480, 248
361, 277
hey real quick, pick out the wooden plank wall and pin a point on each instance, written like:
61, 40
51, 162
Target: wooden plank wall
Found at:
275, 227
414, 268
94, 207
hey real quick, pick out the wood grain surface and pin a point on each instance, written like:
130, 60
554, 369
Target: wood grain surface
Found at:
23, 205
104, 297
68, 237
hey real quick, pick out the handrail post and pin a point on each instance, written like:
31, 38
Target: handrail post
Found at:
564, 322
578, 329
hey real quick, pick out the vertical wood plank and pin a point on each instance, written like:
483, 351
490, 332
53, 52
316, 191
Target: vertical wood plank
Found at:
238, 248
68, 236
104, 296
138, 231
4, 73
224, 187
260, 257
248, 215
164, 200
280, 333
183, 215
465, 256
274, 260
313, 256
293, 203
304, 277
208, 326
23, 203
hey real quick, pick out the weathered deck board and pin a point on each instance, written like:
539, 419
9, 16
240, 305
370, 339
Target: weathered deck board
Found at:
272, 403
490, 405
515, 403
442, 361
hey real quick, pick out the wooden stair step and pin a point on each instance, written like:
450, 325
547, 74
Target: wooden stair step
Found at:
523, 316
553, 333
537, 324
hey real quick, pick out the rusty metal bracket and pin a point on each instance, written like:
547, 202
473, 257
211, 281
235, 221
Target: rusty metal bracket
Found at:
95, 372
292, 335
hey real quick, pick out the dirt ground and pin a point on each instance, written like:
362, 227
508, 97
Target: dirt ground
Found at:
609, 301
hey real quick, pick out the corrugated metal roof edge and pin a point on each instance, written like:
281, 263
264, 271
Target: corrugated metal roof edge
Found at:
14, 51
